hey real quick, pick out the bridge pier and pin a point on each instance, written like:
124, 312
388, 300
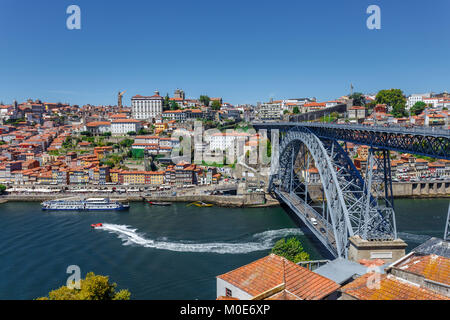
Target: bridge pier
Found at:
387, 250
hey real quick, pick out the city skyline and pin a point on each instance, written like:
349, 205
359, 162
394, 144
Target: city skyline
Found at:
242, 52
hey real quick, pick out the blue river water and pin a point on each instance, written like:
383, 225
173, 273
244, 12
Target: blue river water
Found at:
160, 252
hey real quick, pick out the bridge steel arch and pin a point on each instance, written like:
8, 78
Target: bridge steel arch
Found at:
351, 207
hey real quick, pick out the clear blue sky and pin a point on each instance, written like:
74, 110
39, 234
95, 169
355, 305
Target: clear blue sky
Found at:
244, 51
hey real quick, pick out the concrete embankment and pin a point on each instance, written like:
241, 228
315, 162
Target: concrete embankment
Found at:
429, 189
256, 200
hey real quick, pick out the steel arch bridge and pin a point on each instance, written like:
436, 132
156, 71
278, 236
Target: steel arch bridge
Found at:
351, 207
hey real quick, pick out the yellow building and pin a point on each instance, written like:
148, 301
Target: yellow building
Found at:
133, 177
155, 178
114, 174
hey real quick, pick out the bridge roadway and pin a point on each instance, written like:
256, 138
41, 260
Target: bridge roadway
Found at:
431, 142
305, 213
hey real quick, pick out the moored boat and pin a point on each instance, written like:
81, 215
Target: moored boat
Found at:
81, 204
200, 204
164, 204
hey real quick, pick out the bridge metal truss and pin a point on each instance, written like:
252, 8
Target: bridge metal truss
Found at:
447, 226
428, 143
351, 207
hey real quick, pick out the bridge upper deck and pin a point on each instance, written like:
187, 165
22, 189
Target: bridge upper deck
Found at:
431, 142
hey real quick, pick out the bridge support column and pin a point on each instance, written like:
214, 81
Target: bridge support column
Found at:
387, 250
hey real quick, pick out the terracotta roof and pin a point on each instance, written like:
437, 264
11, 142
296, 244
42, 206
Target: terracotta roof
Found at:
226, 298
432, 267
272, 271
283, 295
98, 123
388, 288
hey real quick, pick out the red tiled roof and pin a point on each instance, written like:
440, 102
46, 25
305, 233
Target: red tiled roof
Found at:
226, 298
98, 123
272, 271
388, 288
432, 267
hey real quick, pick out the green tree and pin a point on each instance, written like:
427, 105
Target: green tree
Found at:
93, 287
142, 132
391, 97
131, 133
418, 107
166, 102
126, 143
291, 249
174, 106
2, 188
205, 100
215, 105
358, 99
399, 110
296, 110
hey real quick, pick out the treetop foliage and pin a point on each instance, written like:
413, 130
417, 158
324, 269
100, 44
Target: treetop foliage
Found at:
93, 287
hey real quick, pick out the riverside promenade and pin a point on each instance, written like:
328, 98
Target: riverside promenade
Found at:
251, 200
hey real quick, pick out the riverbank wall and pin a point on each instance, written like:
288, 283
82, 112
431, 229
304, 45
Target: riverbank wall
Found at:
433, 189
251, 200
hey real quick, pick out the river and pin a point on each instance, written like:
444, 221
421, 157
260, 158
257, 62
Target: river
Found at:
160, 252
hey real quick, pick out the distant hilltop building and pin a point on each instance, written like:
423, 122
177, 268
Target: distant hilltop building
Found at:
147, 108
179, 94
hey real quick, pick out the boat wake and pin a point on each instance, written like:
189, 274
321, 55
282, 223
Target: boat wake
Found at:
262, 241
420, 238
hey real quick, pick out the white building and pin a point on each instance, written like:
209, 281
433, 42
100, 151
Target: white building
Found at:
222, 141
433, 101
271, 110
98, 127
412, 99
123, 126
147, 108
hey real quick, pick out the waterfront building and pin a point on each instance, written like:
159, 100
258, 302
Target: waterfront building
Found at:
147, 108
140, 177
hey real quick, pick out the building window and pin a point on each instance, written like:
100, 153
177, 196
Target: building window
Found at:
228, 292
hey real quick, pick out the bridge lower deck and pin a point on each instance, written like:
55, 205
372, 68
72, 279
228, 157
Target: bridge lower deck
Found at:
321, 229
